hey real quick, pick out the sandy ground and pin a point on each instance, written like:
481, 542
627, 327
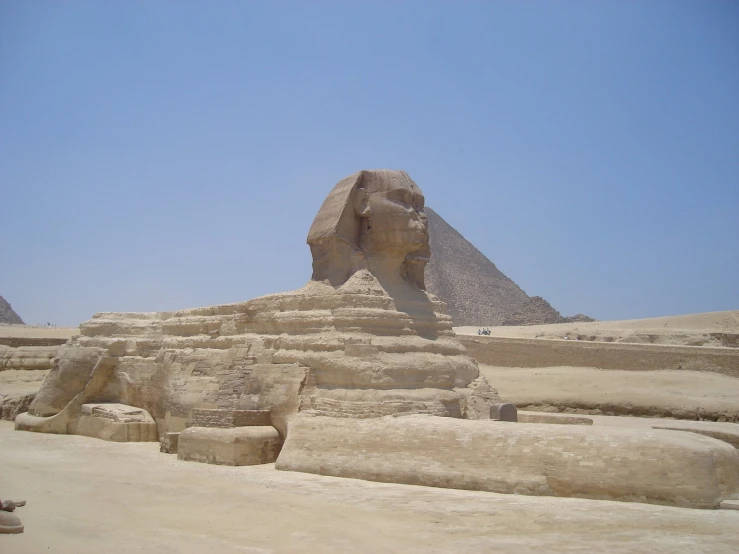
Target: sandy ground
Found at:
90, 496
684, 394
86, 495
706, 329
727, 432
37, 332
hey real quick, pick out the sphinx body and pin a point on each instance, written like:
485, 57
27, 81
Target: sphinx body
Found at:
338, 361
361, 339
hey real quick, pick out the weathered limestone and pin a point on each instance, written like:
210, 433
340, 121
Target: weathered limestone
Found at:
238, 446
22, 370
659, 467
708, 429
229, 437
117, 422
66, 420
68, 376
11, 405
351, 370
27, 357
230, 418
169, 443
361, 339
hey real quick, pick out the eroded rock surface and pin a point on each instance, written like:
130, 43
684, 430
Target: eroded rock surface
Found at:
116, 422
361, 339
658, 467
337, 361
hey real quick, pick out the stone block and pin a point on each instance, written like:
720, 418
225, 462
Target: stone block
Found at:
117, 422
168, 443
238, 446
503, 412
226, 419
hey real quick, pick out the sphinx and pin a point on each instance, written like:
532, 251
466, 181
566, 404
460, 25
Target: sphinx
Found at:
361, 339
358, 374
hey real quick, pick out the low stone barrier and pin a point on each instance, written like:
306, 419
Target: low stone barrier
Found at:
510, 352
27, 357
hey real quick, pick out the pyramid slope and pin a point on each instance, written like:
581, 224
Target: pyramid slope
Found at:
7, 315
475, 291
536, 311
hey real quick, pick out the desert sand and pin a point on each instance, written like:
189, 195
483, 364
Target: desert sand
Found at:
37, 332
704, 329
97, 496
680, 394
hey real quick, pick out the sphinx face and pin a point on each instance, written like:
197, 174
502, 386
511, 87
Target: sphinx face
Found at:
396, 220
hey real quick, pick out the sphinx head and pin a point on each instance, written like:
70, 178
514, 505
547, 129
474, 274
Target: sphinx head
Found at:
372, 219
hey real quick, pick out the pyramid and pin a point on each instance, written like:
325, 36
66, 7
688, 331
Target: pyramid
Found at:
536, 311
7, 315
475, 291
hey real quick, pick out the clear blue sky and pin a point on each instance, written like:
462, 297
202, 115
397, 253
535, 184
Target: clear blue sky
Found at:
164, 155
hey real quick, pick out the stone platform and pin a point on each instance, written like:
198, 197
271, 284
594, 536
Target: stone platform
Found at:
239, 446
117, 422
227, 437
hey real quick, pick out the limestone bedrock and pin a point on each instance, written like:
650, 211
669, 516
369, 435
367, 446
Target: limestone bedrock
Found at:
362, 340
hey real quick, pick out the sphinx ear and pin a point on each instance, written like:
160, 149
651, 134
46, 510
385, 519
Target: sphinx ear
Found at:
361, 203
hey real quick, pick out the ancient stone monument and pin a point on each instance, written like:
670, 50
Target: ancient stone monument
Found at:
8, 315
360, 374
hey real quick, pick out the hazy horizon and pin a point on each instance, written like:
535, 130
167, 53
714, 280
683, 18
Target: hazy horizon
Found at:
160, 156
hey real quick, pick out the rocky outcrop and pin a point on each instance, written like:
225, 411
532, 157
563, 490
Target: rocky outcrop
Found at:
7, 315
